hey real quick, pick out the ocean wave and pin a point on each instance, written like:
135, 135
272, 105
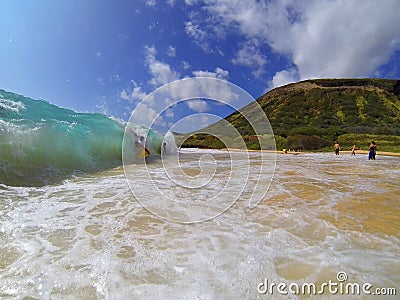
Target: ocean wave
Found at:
41, 143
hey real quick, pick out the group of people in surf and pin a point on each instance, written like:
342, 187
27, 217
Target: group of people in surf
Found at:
371, 153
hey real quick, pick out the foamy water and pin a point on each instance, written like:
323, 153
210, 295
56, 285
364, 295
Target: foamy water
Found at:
88, 238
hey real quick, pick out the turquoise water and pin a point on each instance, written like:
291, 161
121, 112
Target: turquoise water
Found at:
41, 143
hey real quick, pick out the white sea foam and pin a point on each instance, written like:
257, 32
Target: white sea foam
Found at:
14, 106
89, 238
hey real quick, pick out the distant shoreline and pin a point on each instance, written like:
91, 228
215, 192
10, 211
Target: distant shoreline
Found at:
347, 152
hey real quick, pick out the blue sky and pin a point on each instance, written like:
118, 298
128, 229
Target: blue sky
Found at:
105, 56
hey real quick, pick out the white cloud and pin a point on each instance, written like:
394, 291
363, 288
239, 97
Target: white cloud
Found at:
136, 94
168, 101
199, 36
221, 73
185, 65
218, 73
194, 122
250, 56
144, 114
162, 73
124, 95
169, 113
284, 77
345, 39
171, 3
191, 2
171, 52
198, 105
189, 88
322, 38
151, 3
194, 31
150, 51
195, 93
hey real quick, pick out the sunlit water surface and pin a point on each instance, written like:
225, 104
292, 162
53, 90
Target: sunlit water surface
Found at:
88, 238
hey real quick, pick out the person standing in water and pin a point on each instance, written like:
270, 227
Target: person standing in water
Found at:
164, 147
143, 149
337, 148
353, 149
372, 151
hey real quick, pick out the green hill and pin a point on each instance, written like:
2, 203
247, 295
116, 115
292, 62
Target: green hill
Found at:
312, 114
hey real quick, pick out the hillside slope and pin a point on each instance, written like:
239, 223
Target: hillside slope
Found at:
312, 113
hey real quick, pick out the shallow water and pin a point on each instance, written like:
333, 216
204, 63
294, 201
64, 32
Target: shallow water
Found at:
88, 238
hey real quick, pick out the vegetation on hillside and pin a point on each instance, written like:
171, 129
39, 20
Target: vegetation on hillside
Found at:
312, 114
